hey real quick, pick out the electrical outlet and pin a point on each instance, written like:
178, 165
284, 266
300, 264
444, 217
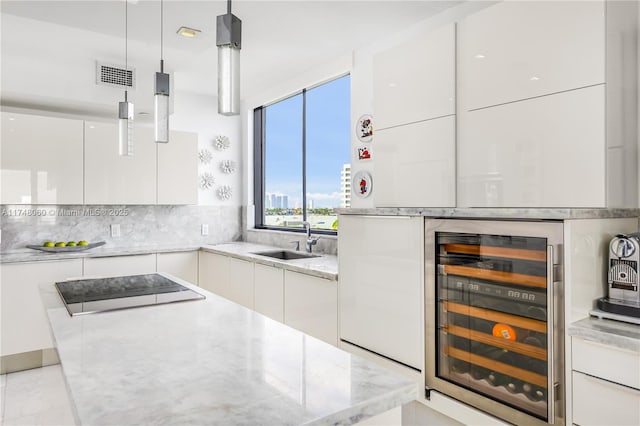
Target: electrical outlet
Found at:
205, 229
115, 230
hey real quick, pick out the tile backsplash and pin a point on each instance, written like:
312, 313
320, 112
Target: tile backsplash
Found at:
139, 225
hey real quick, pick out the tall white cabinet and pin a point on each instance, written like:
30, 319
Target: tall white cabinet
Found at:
414, 118
546, 108
41, 160
381, 276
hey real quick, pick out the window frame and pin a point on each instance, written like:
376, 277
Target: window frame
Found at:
259, 115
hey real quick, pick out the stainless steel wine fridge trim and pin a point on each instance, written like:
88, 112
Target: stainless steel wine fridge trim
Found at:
553, 232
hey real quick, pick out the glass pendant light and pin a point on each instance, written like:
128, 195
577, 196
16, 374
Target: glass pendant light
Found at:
162, 91
228, 37
125, 109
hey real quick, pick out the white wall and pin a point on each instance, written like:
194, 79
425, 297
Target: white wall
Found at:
199, 113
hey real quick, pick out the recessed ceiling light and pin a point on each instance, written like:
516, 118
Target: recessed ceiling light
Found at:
12, 119
479, 56
534, 78
188, 32
143, 113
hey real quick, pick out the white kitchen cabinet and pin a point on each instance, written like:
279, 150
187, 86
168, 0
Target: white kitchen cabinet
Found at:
25, 326
415, 81
546, 117
213, 272
183, 265
113, 179
240, 286
42, 160
178, 169
269, 291
311, 305
120, 265
415, 165
519, 50
606, 384
599, 402
542, 152
381, 276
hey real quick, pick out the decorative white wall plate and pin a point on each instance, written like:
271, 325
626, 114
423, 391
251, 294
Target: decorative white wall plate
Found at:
228, 166
362, 184
225, 192
364, 128
222, 142
206, 180
205, 156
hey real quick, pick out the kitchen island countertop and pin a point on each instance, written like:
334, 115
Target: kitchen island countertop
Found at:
212, 362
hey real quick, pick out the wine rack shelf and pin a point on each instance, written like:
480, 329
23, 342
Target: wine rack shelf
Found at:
509, 253
518, 347
500, 276
488, 314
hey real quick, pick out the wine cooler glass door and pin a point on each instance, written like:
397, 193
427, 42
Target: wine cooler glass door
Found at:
492, 318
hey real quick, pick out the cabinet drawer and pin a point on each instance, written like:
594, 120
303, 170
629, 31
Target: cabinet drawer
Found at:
610, 363
599, 402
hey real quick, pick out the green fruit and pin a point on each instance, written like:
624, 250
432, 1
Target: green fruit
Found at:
83, 243
71, 244
48, 244
61, 244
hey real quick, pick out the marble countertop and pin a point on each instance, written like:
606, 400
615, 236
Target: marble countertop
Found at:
323, 266
618, 334
30, 255
212, 362
495, 213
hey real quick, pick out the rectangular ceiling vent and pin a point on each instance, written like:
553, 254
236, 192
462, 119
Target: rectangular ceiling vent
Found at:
115, 75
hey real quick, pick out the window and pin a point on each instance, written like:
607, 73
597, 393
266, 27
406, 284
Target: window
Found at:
302, 152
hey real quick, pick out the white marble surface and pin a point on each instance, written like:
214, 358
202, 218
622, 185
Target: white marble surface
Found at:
323, 266
495, 213
212, 362
608, 332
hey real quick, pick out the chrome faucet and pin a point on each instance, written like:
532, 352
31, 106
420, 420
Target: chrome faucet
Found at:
311, 241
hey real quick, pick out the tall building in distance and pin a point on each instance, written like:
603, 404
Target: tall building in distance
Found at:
277, 201
345, 185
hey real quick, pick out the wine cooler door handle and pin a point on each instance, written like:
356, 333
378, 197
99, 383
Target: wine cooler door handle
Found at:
551, 394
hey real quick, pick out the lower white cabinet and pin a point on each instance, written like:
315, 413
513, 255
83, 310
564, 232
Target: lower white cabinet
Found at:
25, 326
183, 265
227, 277
268, 298
240, 285
416, 164
606, 384
213, 272
311, 305
120, 265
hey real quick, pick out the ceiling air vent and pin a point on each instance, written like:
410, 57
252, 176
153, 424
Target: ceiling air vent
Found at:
115, 75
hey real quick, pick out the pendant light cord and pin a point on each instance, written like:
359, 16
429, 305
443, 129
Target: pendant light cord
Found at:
161, 36
126, 43
229, 6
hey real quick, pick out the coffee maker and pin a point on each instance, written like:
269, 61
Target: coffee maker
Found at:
623, 279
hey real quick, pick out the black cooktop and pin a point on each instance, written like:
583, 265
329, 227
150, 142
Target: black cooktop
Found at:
103, 294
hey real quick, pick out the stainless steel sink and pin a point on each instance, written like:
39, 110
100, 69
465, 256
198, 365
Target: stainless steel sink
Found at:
285, 254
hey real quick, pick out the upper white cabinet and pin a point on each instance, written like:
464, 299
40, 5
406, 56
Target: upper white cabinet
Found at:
178, 169
415, 164
416, 80
41, 160
113, 179
540, 122
519, 50
544, 152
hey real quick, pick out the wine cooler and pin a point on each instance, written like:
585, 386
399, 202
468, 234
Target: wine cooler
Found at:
494, 317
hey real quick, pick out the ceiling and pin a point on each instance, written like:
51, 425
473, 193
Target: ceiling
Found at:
280, 39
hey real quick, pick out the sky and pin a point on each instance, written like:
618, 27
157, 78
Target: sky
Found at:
328, 144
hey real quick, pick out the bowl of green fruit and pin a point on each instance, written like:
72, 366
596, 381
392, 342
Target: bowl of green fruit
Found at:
62, 246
